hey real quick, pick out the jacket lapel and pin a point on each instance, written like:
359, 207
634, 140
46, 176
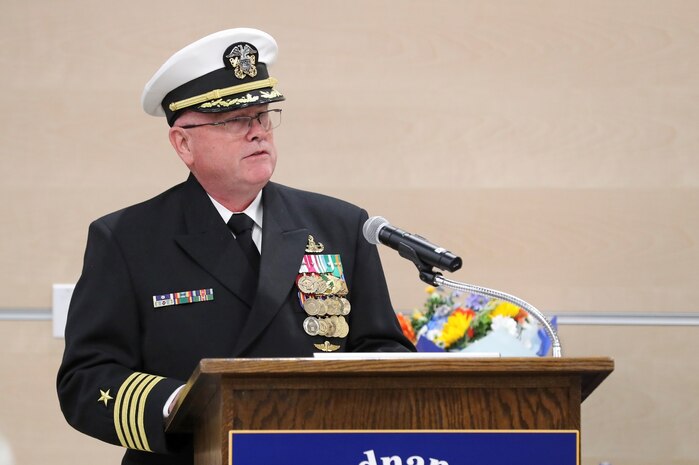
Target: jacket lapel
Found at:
210, 243
283, 247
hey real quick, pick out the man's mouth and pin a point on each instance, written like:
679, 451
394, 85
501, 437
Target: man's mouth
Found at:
258, 153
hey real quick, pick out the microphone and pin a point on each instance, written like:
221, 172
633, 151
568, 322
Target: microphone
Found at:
415, 248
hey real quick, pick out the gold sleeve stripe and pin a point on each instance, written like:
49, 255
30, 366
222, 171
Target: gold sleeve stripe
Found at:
118, 409
225, 92
130, 408
129, 411
141, 428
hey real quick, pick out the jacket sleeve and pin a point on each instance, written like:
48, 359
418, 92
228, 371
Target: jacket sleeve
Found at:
374, 326
101, 388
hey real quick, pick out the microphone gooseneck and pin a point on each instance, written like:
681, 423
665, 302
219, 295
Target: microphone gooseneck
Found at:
556, 350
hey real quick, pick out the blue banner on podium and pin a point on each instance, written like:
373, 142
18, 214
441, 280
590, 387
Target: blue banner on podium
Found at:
486, 447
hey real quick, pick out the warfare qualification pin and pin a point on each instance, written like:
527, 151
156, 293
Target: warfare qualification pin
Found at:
326, 346
313, 246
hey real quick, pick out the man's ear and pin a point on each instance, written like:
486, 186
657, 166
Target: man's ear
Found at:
181, 143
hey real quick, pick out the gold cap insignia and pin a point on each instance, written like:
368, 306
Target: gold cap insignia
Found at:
326, 347
313, 246
242, 58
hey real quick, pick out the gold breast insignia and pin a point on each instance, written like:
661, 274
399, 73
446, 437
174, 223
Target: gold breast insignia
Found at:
314, 247
327, 347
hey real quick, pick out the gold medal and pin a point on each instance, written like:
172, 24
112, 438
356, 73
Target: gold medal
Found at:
321, 285
344, 327
337, 286
332, 327
322, 307
335, 326
334, 306
327, 285
323, 326
346, 306
312, 306
307, 284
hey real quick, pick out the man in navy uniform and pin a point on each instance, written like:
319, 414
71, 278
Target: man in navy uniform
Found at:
226, 264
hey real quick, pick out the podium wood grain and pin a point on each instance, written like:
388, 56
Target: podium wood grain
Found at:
309, 394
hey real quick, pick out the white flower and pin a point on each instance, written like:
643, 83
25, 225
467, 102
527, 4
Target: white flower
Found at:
433, 334
504, 324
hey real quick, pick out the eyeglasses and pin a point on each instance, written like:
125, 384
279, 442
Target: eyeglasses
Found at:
240, 125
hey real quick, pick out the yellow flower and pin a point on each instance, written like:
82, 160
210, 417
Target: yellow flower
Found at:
505, 309
430, 289
455, 328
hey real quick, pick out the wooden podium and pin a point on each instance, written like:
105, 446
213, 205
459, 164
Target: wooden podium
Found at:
397, 394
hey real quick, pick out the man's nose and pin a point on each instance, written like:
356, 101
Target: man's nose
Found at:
255, 129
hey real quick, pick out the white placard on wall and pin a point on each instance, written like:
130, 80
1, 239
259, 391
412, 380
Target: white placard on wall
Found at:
61, 300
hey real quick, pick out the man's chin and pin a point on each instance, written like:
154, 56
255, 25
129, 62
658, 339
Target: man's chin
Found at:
260, 178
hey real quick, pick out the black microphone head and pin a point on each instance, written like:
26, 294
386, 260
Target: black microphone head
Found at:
371, 228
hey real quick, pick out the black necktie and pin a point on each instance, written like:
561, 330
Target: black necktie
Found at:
241, 225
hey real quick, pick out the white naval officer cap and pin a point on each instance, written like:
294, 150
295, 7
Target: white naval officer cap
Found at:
221, 72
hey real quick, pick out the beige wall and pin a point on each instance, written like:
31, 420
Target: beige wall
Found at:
552, 144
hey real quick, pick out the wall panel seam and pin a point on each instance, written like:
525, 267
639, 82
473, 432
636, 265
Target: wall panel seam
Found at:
564, 318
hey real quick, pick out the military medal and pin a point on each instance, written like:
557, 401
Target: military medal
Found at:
311, 326
321, 286
333, 305
346, 307
343, 327
323, 326
332, 326
307, 284
312, 306
333, 285
322, 292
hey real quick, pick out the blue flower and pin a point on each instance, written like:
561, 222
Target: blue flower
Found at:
436, 323
476, 302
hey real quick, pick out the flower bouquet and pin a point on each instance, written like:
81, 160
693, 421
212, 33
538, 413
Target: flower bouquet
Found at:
453, 321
